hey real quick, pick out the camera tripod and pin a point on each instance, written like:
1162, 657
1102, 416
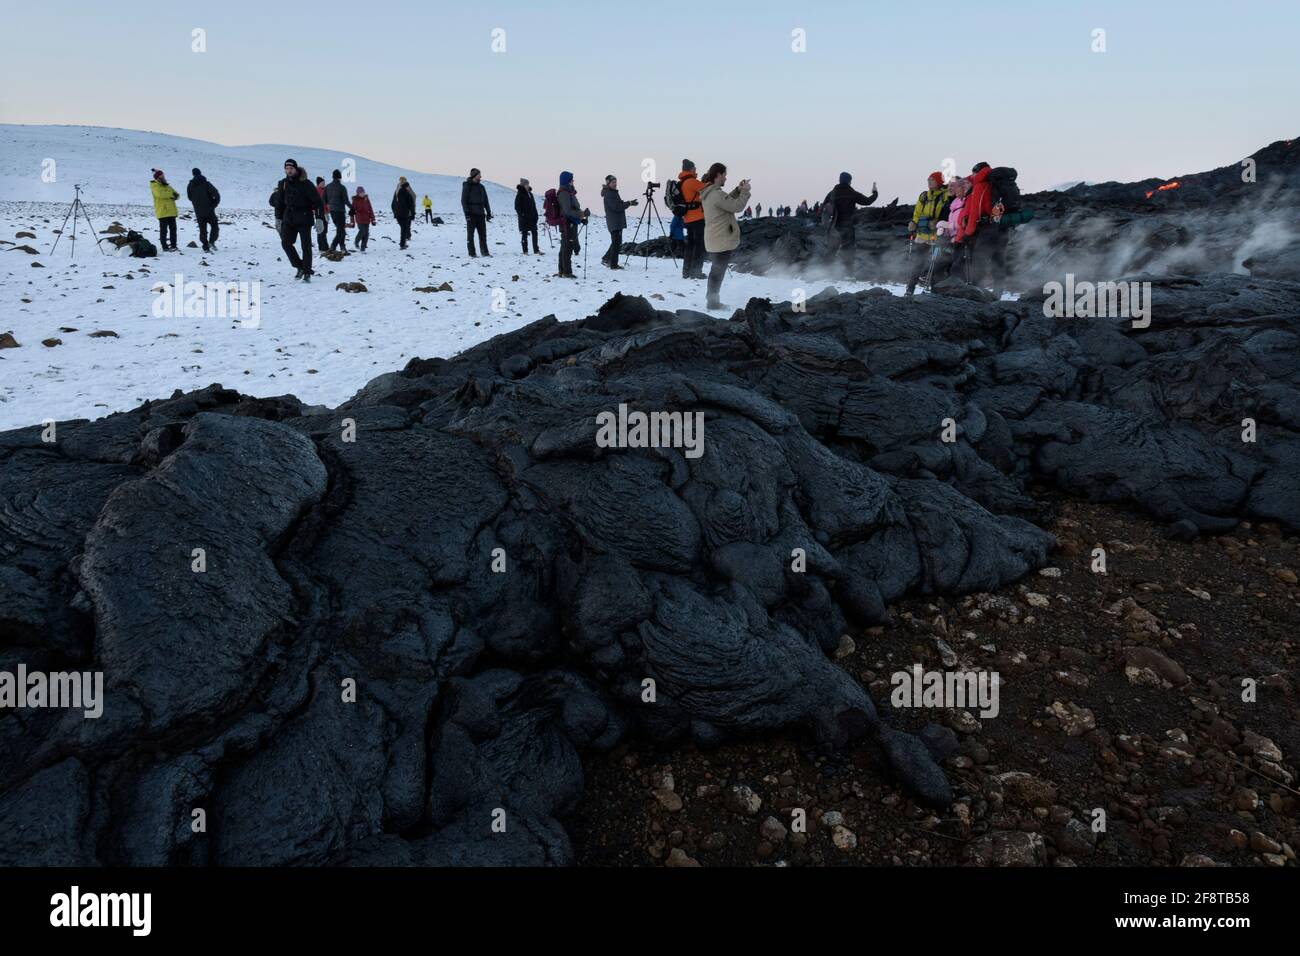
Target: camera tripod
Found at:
649, 195
78, 209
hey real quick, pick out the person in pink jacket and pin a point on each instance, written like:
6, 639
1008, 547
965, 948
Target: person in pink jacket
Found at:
943, 256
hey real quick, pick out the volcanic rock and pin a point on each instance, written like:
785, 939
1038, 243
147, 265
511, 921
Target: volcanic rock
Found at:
385, 633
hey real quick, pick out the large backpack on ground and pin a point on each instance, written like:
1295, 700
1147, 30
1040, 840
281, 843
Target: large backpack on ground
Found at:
551, 208
141, 248
1003, 188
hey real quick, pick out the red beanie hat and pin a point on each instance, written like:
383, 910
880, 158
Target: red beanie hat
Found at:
935, 175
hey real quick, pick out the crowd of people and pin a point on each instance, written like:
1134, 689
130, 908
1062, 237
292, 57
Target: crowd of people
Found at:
959, 227
963, 227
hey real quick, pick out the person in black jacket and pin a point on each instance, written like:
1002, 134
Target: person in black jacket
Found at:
339, 204
403, 209
298, 204
322, 217
478, 211
844, 200
205, 199
615, 220
526, 210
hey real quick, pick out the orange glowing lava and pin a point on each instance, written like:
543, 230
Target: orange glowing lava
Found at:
1159, 189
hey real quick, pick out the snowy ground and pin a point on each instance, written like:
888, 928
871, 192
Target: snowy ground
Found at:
313, 341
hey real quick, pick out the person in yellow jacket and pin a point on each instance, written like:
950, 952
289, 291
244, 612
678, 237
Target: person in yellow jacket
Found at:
930, 209
721, 230
164, 207
428, 208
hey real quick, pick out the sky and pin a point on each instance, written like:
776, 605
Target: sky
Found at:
887, 91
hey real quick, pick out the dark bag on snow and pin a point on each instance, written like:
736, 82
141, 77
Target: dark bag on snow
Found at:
141, 248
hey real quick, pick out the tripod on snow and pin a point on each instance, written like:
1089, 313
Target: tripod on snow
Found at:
645, 215
78, 208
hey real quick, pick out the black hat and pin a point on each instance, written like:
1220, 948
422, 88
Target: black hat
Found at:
610, 176
687, 165
195, 171
320, 179
291, 162
474, 172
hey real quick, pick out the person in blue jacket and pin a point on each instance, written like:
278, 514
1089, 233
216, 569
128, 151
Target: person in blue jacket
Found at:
677, 236
573, 216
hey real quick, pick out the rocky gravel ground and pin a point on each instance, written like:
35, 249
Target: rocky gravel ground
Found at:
1119, 691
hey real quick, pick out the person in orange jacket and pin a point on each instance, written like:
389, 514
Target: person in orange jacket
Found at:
693, 260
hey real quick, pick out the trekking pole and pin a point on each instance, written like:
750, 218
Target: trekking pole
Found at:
934, 258
586, 247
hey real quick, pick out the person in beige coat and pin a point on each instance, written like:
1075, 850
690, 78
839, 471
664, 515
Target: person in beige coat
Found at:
721, 230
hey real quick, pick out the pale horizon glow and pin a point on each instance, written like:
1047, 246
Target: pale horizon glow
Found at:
887, 92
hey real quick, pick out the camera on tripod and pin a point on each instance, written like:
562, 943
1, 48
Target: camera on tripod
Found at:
650, 213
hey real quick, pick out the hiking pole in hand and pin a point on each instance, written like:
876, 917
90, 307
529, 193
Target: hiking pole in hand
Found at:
929, 273
586, 246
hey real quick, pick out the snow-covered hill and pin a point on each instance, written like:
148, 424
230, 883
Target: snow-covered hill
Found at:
113, 166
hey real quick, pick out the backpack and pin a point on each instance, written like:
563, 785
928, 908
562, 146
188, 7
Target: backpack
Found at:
673, 197
1003, 188
551, 208
141, 248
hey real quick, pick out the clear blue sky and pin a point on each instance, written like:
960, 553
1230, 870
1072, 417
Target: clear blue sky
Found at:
886, 90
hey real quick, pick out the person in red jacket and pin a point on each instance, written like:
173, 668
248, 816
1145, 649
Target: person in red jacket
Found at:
363, 215
975, 229
978, 202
